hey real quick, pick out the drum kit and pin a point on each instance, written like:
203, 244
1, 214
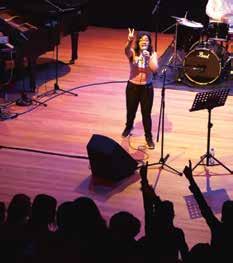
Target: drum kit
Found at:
206, 58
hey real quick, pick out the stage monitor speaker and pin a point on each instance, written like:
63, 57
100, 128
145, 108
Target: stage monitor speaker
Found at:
108, 159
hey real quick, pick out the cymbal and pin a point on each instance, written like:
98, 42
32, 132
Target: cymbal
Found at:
189, 23
177, 18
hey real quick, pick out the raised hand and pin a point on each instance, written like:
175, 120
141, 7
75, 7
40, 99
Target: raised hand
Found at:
188, 171
131, 34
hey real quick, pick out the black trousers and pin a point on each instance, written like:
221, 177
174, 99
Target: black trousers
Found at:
143, 95
74, 45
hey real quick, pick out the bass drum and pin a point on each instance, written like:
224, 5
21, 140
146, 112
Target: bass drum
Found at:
203, 64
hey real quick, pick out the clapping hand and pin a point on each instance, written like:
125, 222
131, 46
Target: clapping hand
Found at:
131, 34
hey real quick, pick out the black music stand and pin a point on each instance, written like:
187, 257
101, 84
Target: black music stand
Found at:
162, 161
208, 101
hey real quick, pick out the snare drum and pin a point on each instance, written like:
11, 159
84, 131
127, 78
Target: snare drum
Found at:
218, 31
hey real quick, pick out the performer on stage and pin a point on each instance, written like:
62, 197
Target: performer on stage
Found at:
139, 90
220, 10
74, 47
220, 14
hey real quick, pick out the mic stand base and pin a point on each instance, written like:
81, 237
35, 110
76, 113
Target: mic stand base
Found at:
5, 115
208, 157
25, 101
162, 161
57, 88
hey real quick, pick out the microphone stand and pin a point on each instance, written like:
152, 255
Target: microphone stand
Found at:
162, 161
59, 11
154, 13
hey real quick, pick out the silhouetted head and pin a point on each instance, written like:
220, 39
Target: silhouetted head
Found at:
124, 224
200, 252
165, 213
88, 215
19, 209
44, 209
227, 212
66, 215
143, 41
2, 212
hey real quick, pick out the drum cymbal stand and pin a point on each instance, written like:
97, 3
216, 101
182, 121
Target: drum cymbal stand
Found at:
175, 61
175, 57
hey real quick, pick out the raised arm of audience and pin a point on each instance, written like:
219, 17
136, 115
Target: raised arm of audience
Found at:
150, 200
206, 211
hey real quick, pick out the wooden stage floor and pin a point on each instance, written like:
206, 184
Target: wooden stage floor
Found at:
68, 122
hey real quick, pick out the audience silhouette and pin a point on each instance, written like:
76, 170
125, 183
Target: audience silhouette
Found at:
165, 241
124, 227
12, 233
221, 230
76, 231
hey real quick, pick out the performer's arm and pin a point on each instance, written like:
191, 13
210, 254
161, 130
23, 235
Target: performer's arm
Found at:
212, 10
129, 43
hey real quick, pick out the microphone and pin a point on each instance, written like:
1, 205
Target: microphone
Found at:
9, 45
23, 36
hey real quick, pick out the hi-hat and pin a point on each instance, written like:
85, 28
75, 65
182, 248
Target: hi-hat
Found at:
189, 23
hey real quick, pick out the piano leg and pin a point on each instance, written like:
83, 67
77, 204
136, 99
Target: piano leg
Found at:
32, 73
74, 46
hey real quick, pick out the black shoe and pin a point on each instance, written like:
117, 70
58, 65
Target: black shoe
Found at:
126, 132
150, 143
71, 62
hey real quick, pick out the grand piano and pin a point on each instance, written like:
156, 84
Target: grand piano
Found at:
36, 27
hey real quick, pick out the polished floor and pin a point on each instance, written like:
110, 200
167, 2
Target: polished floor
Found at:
44, 149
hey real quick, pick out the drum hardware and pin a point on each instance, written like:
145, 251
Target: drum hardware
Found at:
205, 65
218, 31
175, 56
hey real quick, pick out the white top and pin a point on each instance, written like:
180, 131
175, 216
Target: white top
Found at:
218, 9
141, 71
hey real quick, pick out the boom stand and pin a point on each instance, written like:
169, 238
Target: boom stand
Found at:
155, 12
56, 86
175, 57
59, 11
162, 161
210, 100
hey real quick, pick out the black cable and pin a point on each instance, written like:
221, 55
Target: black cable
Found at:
43, 152
58, 94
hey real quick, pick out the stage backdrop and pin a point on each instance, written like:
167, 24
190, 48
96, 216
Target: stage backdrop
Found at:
126, 13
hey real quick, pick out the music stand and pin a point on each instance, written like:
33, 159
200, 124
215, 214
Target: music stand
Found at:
162, 161
208, 101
